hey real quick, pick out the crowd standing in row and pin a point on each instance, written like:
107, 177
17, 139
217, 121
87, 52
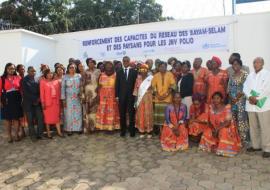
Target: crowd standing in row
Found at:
223, 110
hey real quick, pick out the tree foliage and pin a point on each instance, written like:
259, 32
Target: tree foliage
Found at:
55, 16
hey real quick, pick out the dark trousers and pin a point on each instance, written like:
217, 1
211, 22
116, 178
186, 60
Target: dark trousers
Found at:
126, 105
35, 113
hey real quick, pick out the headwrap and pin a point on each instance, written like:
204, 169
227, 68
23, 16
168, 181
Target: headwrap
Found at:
143, 68
217, 60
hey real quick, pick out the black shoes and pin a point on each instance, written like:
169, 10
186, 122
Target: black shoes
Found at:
266, 155
251, 149
122, 134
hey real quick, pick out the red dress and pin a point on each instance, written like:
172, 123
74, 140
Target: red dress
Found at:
227, 142
50, 95
216, 83
196, 128
169, 141
199, 85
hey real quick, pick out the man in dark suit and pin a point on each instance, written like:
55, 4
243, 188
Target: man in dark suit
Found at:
32, 105
125, 82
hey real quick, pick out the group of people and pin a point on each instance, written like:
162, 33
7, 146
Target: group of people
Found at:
222, 110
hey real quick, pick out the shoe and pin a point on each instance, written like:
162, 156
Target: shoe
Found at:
251, 149
61, 136
132, 134
149, 136
141, 136
122, 134
10, 141
40, 138
50, 137
266, 155
69, 134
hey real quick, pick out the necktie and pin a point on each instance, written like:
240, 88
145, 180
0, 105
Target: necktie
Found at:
126, 74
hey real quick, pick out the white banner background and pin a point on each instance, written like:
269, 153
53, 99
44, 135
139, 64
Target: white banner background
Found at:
210, 38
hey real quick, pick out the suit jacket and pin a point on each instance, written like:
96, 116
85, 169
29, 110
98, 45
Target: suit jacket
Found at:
124, 87
186, 86
30, 92
46, 92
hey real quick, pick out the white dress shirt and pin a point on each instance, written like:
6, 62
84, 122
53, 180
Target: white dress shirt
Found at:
259, 82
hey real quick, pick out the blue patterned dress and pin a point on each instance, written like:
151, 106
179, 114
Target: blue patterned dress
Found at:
235, 86
73, 112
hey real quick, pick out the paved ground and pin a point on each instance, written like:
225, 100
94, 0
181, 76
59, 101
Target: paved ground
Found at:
108, 162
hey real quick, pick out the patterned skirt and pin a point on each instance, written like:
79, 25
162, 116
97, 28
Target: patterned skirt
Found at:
159, 113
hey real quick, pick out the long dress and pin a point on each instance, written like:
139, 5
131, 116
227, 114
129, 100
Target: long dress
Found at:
197, 128
216, 84
199, 85
107, 117
89, 97
227, 142
161, 84
169, 141
50, 97
73, 110
240, 117
144, 104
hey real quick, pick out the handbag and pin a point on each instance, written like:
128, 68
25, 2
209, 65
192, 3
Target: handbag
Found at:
4, 93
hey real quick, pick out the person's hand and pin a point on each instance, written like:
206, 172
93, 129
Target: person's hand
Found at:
252, 100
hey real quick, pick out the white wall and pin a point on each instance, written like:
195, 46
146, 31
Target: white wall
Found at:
10, 48
249, 36
27, 48
36, 50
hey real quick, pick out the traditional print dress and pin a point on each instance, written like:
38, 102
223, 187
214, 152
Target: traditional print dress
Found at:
199, 85
144, 104
175, 117
89, 98
73, 110
216, 83
107, 117
240, 117
161, 85
196, 117
226, 141
50, 94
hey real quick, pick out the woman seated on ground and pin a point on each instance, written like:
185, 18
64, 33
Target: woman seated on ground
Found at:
221, 135
174, 134
198, 117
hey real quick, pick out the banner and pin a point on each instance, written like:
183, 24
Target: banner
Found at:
211, 38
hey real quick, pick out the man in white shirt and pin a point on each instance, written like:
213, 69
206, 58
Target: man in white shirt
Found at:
257, 91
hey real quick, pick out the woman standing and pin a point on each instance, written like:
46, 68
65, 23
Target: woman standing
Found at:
89, 96
174, 134
238, 100
11, 100
185, 85
59, 73
217, 80
198, 116
144, 102
23, 121
107, 117
71, 101
50, 100
163, 84
221, 136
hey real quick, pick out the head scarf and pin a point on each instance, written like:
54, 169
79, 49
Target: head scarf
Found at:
143, 68
217, 60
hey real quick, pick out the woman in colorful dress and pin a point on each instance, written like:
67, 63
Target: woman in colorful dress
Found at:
238, 100
163, 84
50, 94
198, 117
89, 96
11, 101
59, 75
70, 91
174, 134
221, 135
144, 102
199, 73
217, 80
107, 117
